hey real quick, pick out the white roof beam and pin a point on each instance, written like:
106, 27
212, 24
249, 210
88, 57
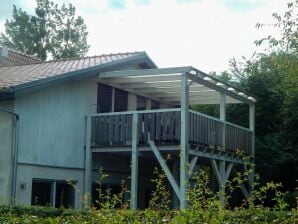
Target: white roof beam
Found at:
163, 90
166, 92
211, 93
144, 79
151, 84
205, 101
156, 71
219, 89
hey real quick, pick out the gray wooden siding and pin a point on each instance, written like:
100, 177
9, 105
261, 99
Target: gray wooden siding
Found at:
6, 137
52, 123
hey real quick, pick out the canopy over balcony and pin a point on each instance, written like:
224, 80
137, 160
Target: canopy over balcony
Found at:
164, 85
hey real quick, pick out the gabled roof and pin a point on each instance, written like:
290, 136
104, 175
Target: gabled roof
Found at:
18, 77
15, 58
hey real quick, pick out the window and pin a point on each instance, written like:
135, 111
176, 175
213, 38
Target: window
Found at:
64, 195
155, 105
41, 193
104, 98
141, 103
52, 193
121, 100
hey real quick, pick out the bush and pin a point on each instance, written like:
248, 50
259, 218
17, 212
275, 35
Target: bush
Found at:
204, 207
41, 215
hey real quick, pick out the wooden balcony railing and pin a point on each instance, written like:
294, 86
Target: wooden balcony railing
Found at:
163, 126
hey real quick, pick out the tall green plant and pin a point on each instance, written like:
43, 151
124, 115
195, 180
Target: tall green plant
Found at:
54, 31
160, 198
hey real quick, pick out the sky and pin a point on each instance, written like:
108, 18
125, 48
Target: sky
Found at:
205, 34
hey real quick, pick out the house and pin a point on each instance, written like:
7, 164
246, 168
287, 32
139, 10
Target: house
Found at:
62, 120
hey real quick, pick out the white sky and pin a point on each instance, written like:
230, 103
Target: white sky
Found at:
203, 33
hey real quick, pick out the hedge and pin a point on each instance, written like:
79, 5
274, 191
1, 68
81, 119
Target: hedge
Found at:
46, 215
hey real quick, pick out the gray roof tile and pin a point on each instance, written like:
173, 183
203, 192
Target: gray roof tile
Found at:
13, 75
17, 58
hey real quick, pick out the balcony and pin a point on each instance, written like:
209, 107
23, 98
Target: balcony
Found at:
164, 128
194, 138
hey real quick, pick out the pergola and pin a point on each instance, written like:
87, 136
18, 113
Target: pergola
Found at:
178, 86
164, 85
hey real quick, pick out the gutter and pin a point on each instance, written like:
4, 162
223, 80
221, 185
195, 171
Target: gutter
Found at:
10, 112
14, 149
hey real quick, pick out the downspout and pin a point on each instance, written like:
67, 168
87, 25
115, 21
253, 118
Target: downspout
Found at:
14, 149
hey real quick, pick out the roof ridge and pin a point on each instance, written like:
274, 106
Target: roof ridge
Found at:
23, 54
77, 58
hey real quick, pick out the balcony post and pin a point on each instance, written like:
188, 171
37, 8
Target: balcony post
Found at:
223, 118
252, 128
184, 140
88, 163
222, 164
134, 164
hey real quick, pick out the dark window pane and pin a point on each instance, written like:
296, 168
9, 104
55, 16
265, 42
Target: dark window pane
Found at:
141, 103
121, 99
41, 193
104, 98
64, 195
95, 195
155, 105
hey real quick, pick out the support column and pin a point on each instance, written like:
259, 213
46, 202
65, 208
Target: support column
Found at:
222, 164
222, 173
53, 194
252, 128
192, 165
223, 118
184, 140
88, 163
164, 167
252, 125
176, 177
134, 164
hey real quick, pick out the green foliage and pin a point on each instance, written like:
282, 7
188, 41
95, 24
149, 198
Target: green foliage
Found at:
288, 26
160, 198
204, 207
106, 199
53, 31
273, 78
256, 215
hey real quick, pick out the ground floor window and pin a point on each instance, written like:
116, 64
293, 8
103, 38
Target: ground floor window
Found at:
52, 193
41, 193
65, 195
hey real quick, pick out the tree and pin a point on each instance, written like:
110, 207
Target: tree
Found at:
273, 78
53, 32
288, 27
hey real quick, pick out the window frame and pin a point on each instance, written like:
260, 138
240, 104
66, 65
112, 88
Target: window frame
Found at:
53, 190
